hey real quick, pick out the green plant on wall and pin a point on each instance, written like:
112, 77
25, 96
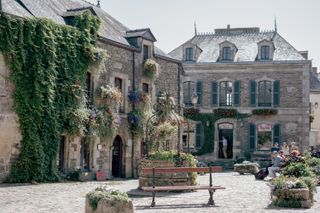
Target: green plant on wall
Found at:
48, 64
208, 121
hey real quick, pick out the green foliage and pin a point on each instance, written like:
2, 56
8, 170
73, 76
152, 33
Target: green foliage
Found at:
264, 112
74, 175
103, 193
288, 203
48, 65
225, 112
297, 169
283, 182
210, 118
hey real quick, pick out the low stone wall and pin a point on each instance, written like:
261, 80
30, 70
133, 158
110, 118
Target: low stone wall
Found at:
174, 179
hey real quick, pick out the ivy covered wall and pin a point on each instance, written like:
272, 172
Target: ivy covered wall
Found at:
48, 64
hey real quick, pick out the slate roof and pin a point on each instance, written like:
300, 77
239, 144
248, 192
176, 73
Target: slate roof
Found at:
314, 83
246, 43
55, 10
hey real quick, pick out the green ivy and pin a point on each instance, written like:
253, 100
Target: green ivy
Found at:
48, 65
208, 121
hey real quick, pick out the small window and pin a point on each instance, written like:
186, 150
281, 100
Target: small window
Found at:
226, 93
226, 54
145, 52
265, 51
264, 137
184, 140
118, 84
189, 54
145, 87
264, 93
89, 86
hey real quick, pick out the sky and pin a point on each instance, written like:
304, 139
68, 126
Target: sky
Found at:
172, 21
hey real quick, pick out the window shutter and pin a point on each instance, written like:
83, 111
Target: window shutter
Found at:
214, 93
198, 134
236, 100
199, 92
276, 133
252, 136
276, 93
253, 89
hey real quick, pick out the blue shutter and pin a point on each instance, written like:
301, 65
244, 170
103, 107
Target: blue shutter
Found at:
252, 136
276, 134
199, 92
253, 89
236, 101
214, 93
198, 134
276, 93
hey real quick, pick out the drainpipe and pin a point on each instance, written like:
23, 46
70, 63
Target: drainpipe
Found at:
179, 108
0, 5
133, 107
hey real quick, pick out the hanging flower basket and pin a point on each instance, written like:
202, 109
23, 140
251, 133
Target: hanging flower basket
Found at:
133, 97
150, 69
111, 94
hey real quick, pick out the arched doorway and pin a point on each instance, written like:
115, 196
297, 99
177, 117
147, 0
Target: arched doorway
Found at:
117, 157
225, 140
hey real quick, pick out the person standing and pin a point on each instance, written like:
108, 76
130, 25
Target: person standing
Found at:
285, 149
225, 146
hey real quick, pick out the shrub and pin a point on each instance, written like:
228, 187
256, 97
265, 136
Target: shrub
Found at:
297, 169
104, 193
74, 175
288, 203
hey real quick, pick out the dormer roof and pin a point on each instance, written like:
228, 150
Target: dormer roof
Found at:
144, 33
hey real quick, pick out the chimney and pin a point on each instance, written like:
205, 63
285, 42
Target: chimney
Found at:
314, 70
228, 26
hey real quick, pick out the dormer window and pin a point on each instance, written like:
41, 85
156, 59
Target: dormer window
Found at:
145, 52
228, 51
189, 54
265, 53
265, 50
226, 55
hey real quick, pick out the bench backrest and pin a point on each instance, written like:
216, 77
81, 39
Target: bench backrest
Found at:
182, 169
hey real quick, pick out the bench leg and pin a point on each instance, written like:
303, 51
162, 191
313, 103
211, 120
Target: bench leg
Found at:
153, 203
211, 201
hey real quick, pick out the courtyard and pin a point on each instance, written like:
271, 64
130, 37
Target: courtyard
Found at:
242, 194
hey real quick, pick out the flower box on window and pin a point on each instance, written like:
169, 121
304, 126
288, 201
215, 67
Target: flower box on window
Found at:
225, 113
264, 112
150, 69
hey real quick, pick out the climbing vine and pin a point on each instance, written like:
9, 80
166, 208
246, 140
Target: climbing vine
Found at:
208, 121
48, 65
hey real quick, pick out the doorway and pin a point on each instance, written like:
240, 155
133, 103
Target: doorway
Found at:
61, 154
85, 156
225, 131
117, 157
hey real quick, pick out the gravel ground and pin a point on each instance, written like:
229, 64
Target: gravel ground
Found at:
242, 194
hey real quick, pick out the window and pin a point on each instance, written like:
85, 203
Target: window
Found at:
264, 137
118, 84
184, 140
189, 54
265, 51
264, 93
145, 87
226, 54
145, 52
225, 93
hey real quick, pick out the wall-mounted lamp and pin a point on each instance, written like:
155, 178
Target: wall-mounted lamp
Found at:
99, 147
207, 123
241, 122
316, 105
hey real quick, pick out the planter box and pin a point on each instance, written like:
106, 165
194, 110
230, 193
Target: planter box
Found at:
292, 194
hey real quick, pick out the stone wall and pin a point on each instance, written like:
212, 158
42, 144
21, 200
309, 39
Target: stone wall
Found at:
9, 127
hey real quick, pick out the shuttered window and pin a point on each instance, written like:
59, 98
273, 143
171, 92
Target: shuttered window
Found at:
198, 134
236, 101
276, 133
276, 93
253, 93
252, 136
189, 54
214, 93
199, 92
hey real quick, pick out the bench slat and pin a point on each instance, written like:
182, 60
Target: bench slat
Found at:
182, 169
180, 188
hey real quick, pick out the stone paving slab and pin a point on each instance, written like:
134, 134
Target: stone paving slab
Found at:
242, 194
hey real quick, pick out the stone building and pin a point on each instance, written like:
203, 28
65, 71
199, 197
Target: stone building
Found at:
127, 50
314, 108
259, 74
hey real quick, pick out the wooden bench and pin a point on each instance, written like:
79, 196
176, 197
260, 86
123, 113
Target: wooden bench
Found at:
208, 187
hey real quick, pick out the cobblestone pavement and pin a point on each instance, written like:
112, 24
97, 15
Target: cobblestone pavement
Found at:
242, 194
